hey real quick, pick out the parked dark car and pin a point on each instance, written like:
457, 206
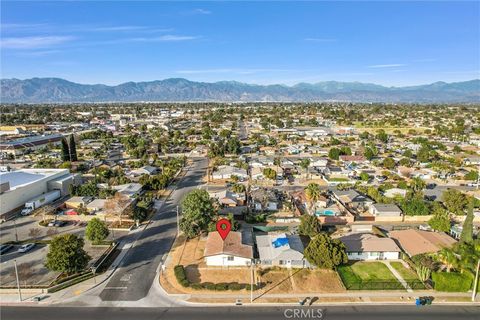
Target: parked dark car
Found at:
5, 248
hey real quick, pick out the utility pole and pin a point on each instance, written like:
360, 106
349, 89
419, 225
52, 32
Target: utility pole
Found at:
18, 281
251, 281
15, 226
178, 222
476, 282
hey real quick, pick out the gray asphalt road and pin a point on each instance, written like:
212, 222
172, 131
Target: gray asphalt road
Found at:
237, 313
135, 275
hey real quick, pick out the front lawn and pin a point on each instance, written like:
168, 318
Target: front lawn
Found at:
368, 276
407, 274
452, 281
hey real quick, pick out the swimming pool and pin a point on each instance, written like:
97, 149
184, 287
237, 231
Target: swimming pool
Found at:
325, 213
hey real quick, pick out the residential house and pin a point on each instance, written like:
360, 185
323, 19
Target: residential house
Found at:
76, 202
283, 250
228, 198
148, 170
129, 189
415, 242
352, 199
395, 192
386, 212
229, 252
226, 172
367, 246
263, 199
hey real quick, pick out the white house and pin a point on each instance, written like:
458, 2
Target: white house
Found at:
226, 172
282, 250
366, 246
383, 210
228, 252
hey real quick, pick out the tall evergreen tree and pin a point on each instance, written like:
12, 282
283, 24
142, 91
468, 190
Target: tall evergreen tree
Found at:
467, 231
65, 150
73, 148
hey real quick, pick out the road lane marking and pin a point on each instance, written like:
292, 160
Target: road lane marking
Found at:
116, 288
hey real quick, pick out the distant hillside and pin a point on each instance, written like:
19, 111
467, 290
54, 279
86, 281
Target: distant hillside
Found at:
38, 90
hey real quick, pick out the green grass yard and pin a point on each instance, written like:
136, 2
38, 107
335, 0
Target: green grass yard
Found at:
407, 274
368, 276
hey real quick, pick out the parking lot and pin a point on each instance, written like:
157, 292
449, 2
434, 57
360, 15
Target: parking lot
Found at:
27, 228
31, 269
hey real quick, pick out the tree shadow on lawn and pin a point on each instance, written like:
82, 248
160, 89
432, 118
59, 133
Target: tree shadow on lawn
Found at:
278, 284
193, 274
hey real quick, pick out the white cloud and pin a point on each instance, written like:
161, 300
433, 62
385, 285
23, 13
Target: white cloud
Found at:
33, 42
200, 11
229, 70
167, 37
392, 65
320, 39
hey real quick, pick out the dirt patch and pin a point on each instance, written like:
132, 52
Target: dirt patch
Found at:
317, 281
217, 275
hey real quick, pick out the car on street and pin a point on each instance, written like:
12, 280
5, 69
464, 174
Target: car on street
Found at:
26, 247
57, 223
5, 248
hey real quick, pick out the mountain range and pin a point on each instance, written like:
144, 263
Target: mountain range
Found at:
55, 90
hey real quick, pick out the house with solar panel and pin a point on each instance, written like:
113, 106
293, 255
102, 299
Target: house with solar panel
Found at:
281, 249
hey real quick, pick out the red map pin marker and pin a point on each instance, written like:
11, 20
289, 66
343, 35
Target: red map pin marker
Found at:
223, 227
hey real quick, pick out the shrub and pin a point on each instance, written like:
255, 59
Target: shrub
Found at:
221, 286
208, 285
236, 286
255, 287
452, 281
196, 286
181, 276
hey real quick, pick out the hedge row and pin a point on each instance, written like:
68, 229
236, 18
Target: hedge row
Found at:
181, 276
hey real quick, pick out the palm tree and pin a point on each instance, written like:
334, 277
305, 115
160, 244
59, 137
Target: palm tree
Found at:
313, 192
448, 258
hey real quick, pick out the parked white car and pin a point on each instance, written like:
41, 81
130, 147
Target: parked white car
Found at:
26, 247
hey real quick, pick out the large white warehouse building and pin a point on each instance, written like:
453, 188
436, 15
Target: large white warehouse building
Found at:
17, 187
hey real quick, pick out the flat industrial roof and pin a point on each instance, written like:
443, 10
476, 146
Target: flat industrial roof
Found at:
27, 176
28, 141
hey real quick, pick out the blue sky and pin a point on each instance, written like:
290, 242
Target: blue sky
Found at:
390, 43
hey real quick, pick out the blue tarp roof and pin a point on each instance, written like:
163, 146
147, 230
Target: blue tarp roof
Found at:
280, 242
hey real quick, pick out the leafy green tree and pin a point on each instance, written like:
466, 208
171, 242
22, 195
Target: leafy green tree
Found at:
238, 188
440, 220
96, 231
269, 173
448, 258
233, 145
325, 252
382, 136
346, 151
415, 206
66, 254
364, 176
313, 191
334, 153
389, 163
455, 201
369, 154
309, 225
198, 212
73, 148
472, 175
408, 153
65, 150
424, 154
467, 230
417, 185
